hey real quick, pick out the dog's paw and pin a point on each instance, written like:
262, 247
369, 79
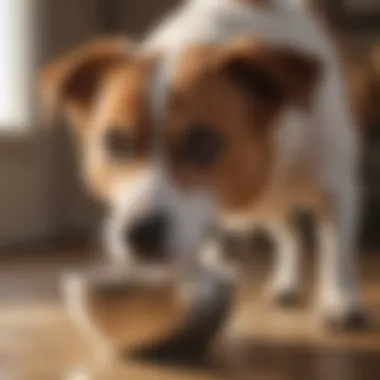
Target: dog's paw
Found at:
284, 297
343, 316
351, 321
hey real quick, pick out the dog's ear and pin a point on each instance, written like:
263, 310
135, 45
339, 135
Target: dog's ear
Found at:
70, 84
271, 74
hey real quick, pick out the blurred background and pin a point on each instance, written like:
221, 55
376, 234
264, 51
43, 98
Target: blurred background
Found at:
45, 217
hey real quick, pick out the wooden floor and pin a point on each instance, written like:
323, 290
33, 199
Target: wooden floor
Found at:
38, 342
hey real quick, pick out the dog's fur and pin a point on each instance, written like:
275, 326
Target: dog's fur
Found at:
263, 75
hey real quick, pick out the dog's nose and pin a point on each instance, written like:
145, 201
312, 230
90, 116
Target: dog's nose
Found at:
148, 236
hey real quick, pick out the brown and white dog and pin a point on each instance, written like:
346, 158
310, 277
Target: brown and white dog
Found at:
220, 110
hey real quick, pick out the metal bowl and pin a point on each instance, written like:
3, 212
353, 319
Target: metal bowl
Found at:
149, 313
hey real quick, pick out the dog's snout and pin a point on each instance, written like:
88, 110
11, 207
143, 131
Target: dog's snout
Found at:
148, 236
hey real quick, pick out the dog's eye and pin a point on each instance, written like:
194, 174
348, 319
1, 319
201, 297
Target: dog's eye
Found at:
118, 144
202, 146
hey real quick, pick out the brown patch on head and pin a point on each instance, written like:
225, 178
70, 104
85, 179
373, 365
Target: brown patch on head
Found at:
232, 97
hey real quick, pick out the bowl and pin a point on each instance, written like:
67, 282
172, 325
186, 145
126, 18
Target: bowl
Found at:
149, 313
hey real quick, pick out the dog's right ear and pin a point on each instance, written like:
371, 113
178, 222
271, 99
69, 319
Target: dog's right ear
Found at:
70, 84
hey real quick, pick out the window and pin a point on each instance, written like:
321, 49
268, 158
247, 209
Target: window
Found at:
16, 64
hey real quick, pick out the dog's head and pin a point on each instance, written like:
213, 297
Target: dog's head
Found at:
165, 179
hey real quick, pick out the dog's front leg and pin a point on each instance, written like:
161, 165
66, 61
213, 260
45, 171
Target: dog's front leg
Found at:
283, 287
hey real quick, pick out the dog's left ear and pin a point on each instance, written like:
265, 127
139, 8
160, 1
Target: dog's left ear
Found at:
271, 74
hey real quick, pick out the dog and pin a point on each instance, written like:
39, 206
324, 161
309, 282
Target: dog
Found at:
219, 108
